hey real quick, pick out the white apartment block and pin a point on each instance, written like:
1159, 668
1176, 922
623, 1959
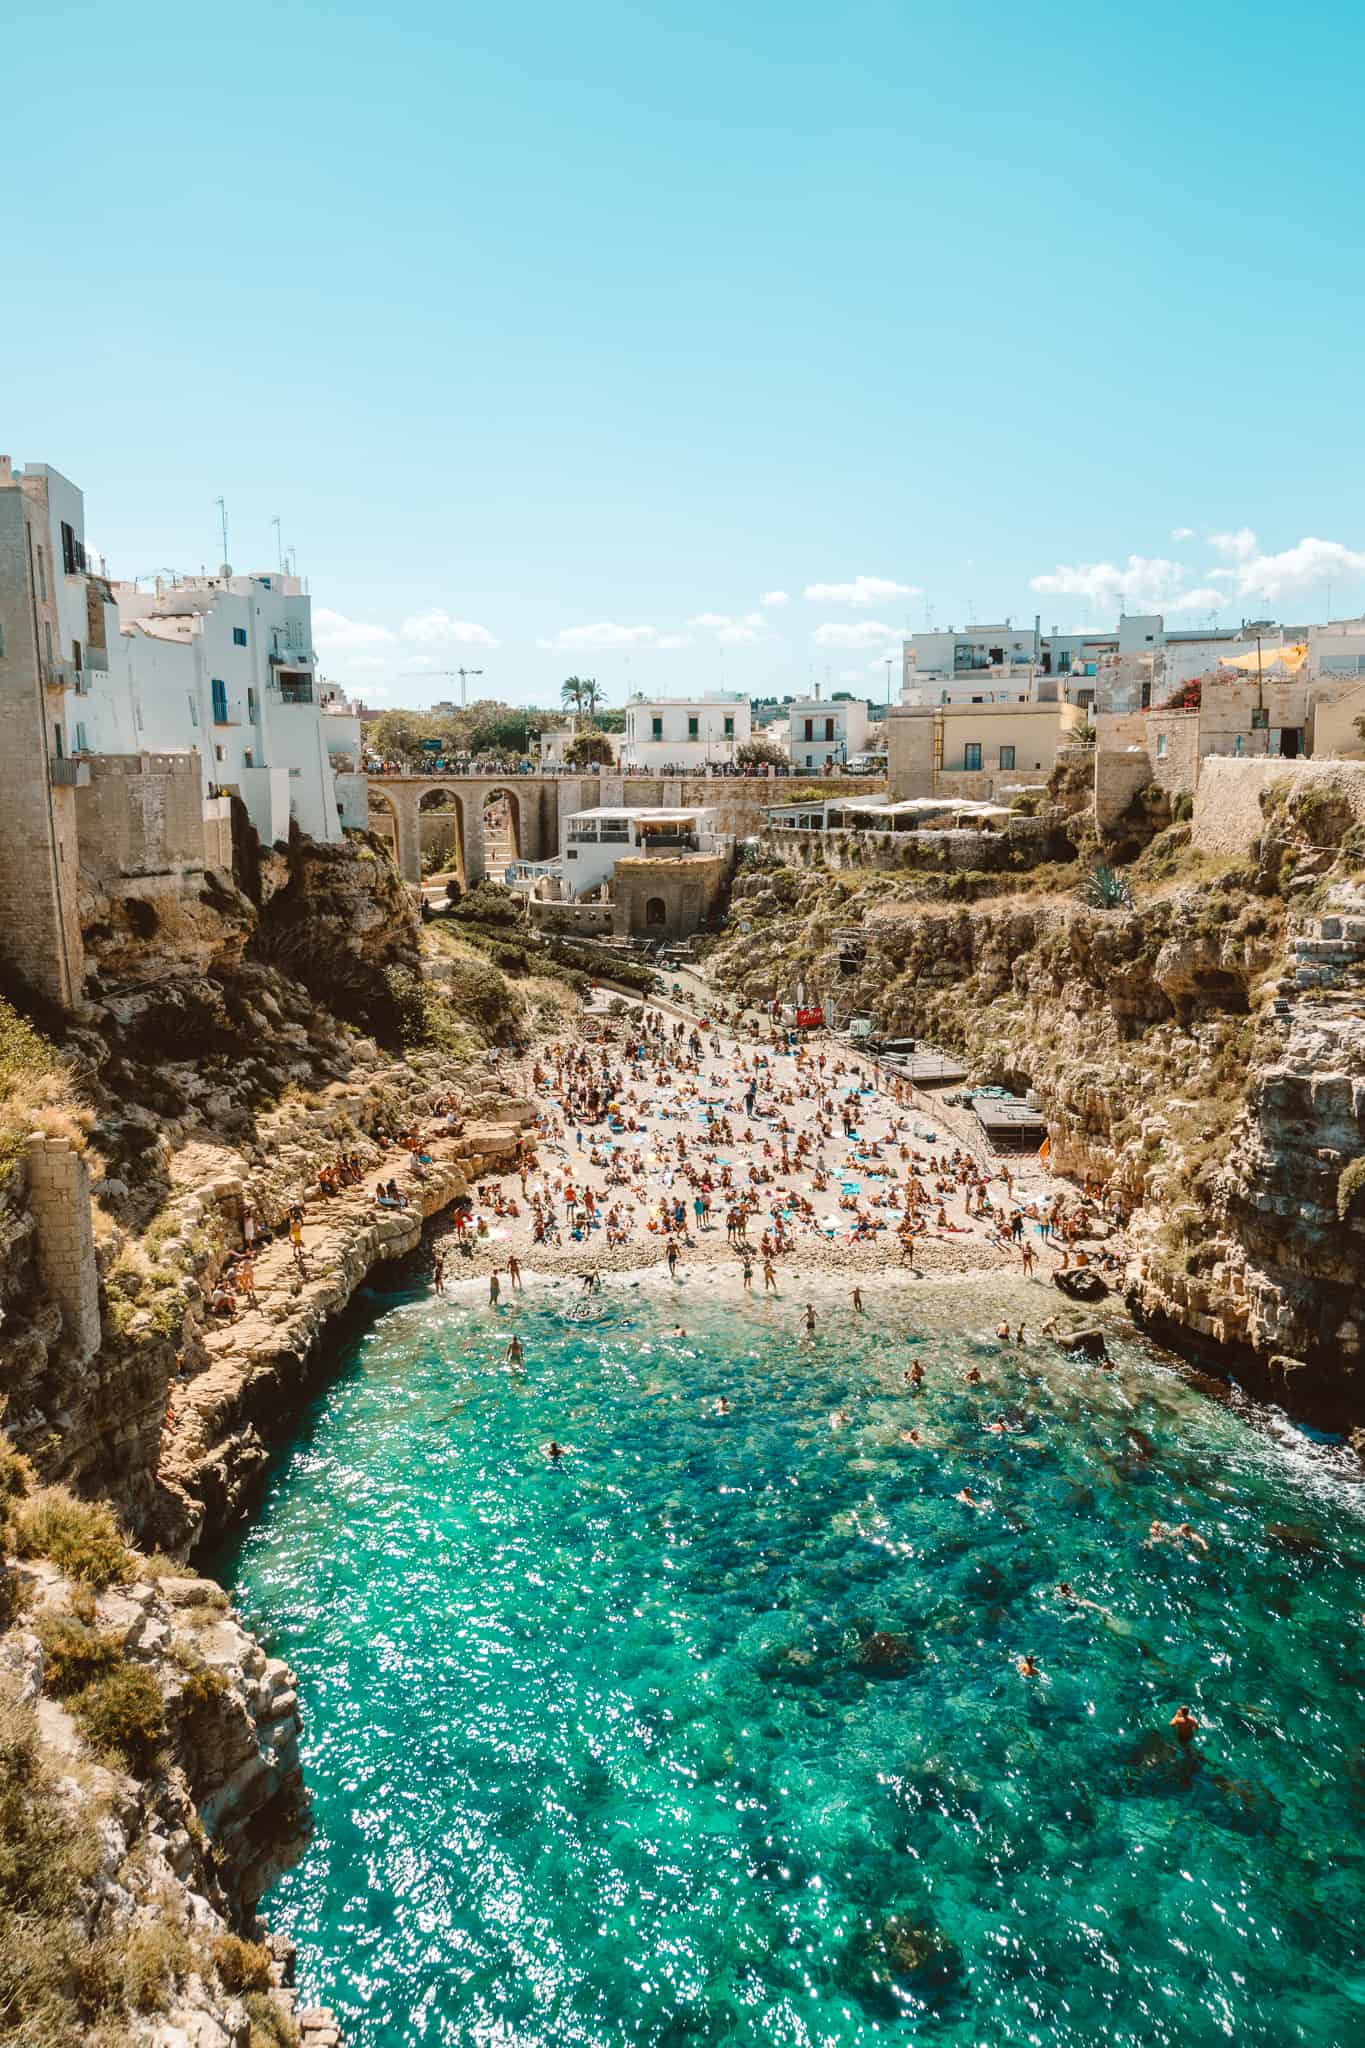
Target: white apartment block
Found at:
219, 665
685, 735
824, 734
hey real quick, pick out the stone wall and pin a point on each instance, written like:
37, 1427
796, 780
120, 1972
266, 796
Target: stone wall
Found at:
40, 936
1228, 817
141, 815
1118, 778
671, 899
59, 1201
1024, 843
586, 920
1174, 744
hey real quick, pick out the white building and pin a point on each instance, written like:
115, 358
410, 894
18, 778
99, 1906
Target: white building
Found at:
685, 734
219, 665
824, 734
591, 842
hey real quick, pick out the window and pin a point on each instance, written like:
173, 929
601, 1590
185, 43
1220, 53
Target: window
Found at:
829, 728
72, 551
1161, 746
194, 708
57, 747
82, 743
251, 705
47, 643
971, 755
692, 728
1007, 757
729, 728
218, 754
809, 733
1237, 744
2, 640
248, 758
239, 636
656, 728
219, 688
77, 660
656, 911
42, 575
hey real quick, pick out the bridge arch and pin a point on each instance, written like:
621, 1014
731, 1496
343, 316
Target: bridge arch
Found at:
384, 821
500, 828
439, 802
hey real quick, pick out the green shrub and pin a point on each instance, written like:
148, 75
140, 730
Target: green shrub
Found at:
81, 1537
242, 1965
1350, 1187
123, 1716
271, 2026
74, 1655
16, 1474
47, 1852
490, 903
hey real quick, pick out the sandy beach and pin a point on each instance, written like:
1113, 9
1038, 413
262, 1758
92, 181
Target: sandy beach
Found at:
668, 1106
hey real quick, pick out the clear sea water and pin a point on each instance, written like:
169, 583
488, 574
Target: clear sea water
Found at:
713, 1734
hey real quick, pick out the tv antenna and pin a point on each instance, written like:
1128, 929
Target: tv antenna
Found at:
221, 503
279, 543
448, 675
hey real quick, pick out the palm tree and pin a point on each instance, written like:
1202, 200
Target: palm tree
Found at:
582, 693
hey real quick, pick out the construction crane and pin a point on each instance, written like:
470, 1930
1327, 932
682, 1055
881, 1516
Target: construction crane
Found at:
448, 675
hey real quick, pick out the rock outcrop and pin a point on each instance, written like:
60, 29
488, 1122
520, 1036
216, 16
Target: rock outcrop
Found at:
1203, 1052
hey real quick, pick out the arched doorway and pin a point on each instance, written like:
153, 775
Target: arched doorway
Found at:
440, 836
501, 832
656, 913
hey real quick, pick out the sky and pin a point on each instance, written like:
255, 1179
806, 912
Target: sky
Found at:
694, 347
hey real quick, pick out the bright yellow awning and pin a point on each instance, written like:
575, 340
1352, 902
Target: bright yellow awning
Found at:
1291, 659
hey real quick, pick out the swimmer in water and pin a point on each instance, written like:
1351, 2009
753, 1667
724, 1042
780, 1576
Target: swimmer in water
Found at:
968, 1498
1190, 1535
1185, 1726
1026, 1667
916, 1373
514, 1354
996, 1427
1003, 1330
973, 1376
911, 1436
810, 1320
857, 1300
723, 1405
554, 1452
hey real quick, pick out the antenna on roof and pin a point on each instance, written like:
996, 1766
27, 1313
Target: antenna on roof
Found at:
279, 544
221, 503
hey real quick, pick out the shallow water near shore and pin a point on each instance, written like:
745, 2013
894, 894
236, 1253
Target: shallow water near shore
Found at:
713, 1733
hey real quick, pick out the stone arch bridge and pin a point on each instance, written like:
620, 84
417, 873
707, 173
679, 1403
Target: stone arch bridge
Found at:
526, 825
497, 818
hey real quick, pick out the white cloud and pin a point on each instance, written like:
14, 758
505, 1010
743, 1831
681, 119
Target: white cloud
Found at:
1205, 599
335, 632
1182, 533
1238, 546
1296, 569
730, 632
607, 634
437, 626
367, 664
1148, 581
866, 633
862, 590
853, 675
772, 598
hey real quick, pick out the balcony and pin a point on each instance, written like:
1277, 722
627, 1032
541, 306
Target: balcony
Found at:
295, 686
68, 774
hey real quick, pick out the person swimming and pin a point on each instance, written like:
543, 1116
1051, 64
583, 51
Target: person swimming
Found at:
1026, 1667
1185, 1726
554, 1452
514, 1354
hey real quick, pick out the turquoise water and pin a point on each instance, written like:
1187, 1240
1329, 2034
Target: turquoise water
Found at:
713, 1734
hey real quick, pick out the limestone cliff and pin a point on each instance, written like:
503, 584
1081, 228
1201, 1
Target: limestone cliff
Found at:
1204, 1051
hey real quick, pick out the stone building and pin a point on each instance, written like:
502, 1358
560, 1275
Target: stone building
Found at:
974, 750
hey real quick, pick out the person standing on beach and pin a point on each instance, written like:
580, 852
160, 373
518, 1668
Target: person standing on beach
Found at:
494, 1288
672, 1257
514, 1271
769, 1277
810, 1320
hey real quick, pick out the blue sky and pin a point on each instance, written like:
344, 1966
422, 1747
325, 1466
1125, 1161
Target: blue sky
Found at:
561, 338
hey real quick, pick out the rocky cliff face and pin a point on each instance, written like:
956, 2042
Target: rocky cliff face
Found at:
158, 1750
1203, 1051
